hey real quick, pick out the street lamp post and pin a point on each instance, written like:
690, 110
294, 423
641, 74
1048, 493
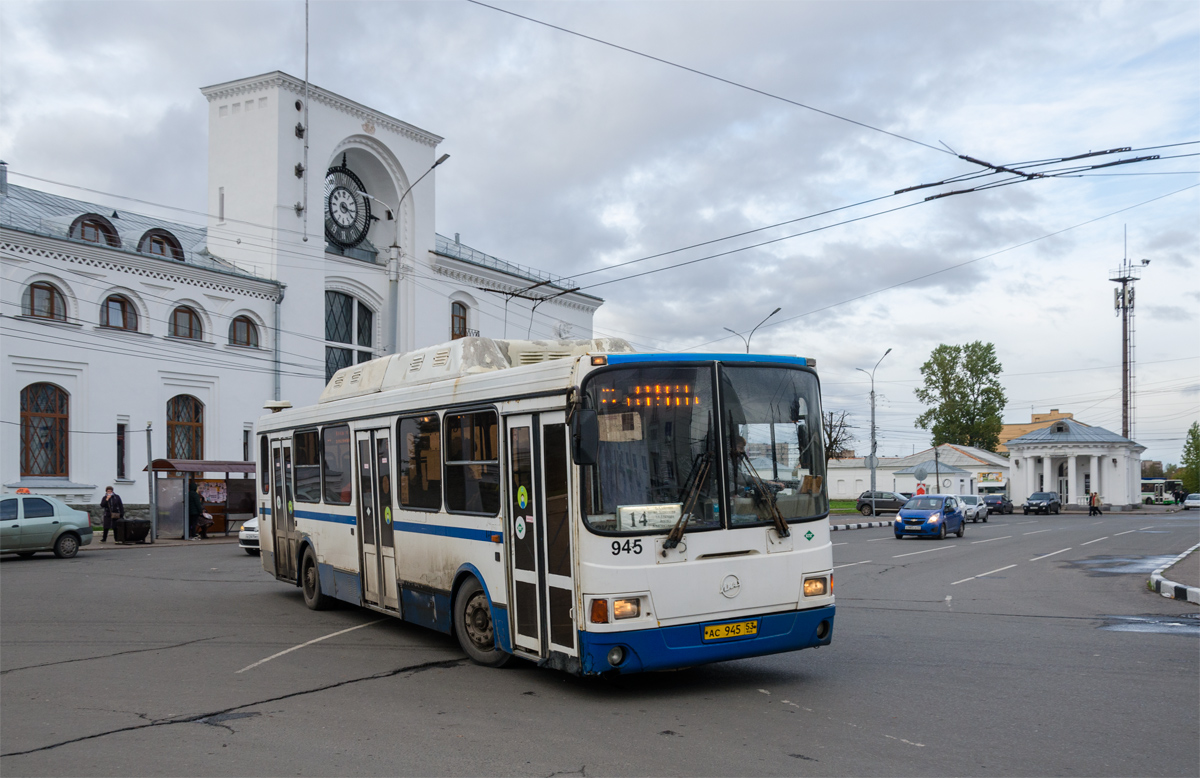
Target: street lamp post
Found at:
746, 340
873, 461
394, 256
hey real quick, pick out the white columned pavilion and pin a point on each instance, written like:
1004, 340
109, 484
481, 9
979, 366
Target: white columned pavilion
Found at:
1072, 459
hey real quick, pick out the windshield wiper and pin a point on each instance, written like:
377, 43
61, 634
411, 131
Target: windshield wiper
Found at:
695, 481
766, 495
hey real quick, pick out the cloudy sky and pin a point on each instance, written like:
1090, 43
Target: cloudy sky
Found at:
575, 156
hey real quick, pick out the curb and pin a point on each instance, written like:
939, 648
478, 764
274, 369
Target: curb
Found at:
1170, 589
862, 525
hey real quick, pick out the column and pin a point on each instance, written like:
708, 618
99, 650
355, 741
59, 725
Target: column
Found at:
1072, 478
1096, 475
1048, 484
1030, 477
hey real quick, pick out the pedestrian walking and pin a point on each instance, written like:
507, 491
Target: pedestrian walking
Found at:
196, 528
114, 511
1094, 504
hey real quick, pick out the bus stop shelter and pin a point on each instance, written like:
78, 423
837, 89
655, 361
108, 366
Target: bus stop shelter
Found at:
229, 499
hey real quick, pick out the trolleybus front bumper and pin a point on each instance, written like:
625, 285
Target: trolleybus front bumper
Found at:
666, 648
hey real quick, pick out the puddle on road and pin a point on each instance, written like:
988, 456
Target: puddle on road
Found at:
1123, 565
1187, 625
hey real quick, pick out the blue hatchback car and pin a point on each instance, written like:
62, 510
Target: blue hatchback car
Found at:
931, 515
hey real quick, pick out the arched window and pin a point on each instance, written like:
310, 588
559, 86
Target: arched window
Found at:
185, 427
45, 302
118, 312
185, 323
94, 228
44, 417
160, 243
243, 332
458, 321
349, 323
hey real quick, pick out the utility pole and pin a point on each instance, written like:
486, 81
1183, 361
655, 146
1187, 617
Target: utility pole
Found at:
1123, 298
873, 460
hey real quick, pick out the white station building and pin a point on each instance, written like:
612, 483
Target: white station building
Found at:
318, 251
1074, 459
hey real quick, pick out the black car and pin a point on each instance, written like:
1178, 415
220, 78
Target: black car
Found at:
1042, 502
885, 502
998, 503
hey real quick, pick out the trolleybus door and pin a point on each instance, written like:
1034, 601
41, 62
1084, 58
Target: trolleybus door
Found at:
377, 550
283, 519
539, 527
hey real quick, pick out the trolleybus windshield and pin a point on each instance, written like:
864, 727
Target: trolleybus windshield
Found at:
659, 436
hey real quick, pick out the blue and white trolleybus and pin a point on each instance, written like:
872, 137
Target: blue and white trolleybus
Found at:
574, 503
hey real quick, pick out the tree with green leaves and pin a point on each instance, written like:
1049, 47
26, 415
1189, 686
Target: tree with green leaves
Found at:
962, 385
1189, 467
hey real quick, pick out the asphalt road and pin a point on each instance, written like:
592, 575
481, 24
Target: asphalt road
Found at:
1028, 647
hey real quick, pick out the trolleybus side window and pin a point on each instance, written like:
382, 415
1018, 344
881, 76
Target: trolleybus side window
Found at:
772, 420
472, 463
419, 448
264, 460
658, 452
308, 466
336, 471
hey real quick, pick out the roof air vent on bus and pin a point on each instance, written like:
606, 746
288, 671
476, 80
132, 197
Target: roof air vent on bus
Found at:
416, 363
441, 358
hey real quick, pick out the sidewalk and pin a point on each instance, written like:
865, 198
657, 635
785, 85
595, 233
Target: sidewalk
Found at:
96, 545
1180, 580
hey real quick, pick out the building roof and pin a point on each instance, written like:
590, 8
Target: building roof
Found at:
1072, 432
940, 467
51, 215
1036, 422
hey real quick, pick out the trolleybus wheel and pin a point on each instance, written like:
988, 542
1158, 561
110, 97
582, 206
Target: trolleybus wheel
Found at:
473, 626
310, 582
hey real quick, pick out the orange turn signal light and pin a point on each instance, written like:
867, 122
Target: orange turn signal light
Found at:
598, 361
599, 611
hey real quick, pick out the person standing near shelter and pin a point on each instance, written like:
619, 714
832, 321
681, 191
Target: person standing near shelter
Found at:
114, 511
195, 514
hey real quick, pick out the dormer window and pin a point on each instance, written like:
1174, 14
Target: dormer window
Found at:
94, 228
160, 243
1060, 428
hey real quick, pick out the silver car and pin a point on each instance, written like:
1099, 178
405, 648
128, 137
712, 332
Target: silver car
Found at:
248, 537
30, 523
974, 508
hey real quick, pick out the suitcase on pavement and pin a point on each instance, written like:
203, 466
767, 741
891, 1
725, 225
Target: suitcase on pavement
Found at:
131, 530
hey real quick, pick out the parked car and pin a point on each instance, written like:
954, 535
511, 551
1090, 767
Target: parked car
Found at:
998, 503
30, 523
1191, 501
974, 508
248, 537
1042, 502
931, 515
885, 502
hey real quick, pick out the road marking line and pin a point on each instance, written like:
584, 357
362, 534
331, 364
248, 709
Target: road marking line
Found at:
1036, 531
989, 540
1146, 528
926, 551
309, 643
872, 540
852, 564
839, 544
981, 575
1031, 521
1043, 556
1126, 532
1097, 540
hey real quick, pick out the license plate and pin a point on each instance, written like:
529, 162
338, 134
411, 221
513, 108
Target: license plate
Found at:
738, 629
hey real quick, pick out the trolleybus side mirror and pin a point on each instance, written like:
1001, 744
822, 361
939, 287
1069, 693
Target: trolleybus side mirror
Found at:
585, 436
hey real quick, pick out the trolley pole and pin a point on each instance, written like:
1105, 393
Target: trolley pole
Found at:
873, 460
151, 480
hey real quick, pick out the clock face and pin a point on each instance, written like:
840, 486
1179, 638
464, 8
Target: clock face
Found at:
347, 208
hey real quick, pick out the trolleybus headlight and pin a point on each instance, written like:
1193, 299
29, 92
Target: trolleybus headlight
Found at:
626, 609
814, 587
616, 656
599, 611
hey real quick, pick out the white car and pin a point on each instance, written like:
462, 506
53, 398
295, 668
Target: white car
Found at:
974, 508
248, 537
1191, 501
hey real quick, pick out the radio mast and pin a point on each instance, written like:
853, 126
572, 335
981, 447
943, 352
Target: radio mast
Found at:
1123, 298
